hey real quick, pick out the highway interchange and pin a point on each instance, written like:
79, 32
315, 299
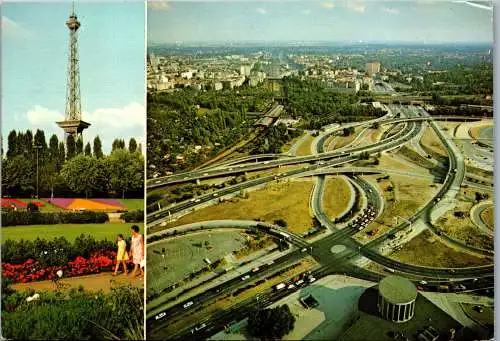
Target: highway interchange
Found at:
318, 164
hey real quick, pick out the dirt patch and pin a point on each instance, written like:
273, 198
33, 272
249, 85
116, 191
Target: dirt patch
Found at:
305, 146
487, 217
431, 143
103, 281
336, 196
288, 200
475, 132
425, 249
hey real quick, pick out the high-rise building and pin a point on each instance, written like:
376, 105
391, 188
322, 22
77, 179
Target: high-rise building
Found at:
372, 68
73, 123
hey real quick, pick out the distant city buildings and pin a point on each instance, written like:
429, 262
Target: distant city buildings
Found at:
372, 68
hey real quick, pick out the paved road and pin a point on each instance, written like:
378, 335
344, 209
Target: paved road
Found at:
475, 216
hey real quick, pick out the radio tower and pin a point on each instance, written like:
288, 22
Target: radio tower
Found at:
73, 124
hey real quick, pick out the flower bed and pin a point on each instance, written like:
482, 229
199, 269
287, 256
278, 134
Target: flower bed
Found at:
33, 271
87, 204
8, 203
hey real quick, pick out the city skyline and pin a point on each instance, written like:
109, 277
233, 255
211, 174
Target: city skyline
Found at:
111, 57
328, 21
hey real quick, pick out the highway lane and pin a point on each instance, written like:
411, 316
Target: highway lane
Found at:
208, 173
162, 215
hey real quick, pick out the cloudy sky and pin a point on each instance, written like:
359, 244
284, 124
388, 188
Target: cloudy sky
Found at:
34, 63
330, 20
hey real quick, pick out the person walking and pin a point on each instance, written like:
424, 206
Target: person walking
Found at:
137, 252
121, 255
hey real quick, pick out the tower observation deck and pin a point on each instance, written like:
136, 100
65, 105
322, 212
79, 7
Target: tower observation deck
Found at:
73, 123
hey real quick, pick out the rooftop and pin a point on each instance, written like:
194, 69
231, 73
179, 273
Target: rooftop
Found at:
396, 289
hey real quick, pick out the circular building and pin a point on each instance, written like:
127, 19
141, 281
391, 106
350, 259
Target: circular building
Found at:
396, 298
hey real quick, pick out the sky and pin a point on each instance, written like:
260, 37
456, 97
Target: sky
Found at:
34, 59
331, 20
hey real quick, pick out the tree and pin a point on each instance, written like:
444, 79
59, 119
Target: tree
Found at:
79, 145
53, 148
132, 145
98, 148
88, 149
18, 175
118, 144
70, 147
12, 144
126, 171
85, 174
272, 323
61, 155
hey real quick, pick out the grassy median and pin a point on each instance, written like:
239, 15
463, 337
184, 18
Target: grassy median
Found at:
288, 200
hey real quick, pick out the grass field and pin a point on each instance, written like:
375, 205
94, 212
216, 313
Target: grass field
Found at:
288, 200
431, 141
426, 250
488, 217
389, 161
463, 228
305, 146
133, 204
336, 196
69, 231
336, 142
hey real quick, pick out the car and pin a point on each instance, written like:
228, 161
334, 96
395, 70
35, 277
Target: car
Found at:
311, 279
423, 282
255, 269
197, 200
266, 162
304, 250
244, 278
161, 315
478, 308
299, 282
291, 286
201, 326
216, 194
187, 305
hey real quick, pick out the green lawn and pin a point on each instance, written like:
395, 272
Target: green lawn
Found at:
69, 231
133, 204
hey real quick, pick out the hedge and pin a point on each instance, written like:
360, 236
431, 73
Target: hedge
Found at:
14, 218
74, 315
53, 252
136, 216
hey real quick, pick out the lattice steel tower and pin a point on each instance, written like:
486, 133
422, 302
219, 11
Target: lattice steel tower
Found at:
73, 123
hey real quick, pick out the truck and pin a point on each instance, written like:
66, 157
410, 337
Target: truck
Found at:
280, 286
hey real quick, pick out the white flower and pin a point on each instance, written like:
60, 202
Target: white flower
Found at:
36, 296
29, 299
59, 273
45, 252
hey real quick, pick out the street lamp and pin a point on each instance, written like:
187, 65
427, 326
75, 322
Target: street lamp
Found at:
37, 147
